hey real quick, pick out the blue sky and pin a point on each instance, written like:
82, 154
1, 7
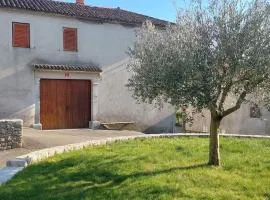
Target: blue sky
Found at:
163, 9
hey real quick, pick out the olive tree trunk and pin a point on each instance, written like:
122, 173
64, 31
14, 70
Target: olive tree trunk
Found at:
214, 156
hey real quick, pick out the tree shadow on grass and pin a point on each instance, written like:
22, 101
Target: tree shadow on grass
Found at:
102, 179
267, 196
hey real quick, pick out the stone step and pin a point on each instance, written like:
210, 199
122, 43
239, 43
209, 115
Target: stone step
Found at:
7, 173
17, 163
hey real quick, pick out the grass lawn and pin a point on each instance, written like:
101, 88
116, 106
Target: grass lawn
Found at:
149, 169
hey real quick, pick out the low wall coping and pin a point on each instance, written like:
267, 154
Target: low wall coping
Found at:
39, 155
11, 120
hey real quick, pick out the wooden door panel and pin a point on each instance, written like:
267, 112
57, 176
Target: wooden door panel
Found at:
79, 115
60, 105
48, 104
83, 105
65, 103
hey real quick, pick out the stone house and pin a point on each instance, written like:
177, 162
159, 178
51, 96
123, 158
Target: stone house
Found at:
63, 65
249, 119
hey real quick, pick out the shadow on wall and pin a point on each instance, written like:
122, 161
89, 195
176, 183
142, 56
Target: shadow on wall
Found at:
165, 125
116, 103
16, 94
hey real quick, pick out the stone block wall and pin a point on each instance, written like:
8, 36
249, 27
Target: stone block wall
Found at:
10, 134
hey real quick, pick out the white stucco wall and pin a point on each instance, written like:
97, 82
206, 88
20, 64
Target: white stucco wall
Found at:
116, 103
104, 45
238, 122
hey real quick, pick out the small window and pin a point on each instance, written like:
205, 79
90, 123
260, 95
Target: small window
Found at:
21, 35
70, 39
255, 111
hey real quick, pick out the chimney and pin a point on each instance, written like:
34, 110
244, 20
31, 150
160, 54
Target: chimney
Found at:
80, 2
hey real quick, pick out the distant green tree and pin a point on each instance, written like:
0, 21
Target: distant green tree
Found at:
214, 51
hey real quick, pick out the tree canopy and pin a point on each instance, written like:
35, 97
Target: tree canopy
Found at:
211, 52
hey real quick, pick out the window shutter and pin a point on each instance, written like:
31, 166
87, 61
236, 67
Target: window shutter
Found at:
70, 39
21, 35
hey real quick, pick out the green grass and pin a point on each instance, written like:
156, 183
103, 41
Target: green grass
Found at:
149, 169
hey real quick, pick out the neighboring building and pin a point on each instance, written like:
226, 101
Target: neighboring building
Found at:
64, 64
249, 119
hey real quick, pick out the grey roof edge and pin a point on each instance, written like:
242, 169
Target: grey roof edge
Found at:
65, 67
86, 12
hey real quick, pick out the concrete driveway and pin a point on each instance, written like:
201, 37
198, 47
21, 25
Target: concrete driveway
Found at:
35, 140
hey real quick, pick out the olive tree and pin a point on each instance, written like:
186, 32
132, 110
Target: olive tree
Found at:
211, 53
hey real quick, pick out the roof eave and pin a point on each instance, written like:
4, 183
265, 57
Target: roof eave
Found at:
92, 19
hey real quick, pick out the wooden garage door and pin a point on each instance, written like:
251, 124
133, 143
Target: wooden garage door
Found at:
65, 104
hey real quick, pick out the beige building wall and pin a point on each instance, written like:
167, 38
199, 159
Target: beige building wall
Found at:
238, 122
104, 45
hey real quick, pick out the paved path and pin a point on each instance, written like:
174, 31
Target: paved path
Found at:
34, 140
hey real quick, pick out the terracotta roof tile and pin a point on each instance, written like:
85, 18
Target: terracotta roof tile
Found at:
82, 11
79, 68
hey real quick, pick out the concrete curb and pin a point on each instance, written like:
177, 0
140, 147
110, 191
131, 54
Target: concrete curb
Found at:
7, 173
16, 165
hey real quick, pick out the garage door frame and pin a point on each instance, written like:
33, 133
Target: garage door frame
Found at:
95, 79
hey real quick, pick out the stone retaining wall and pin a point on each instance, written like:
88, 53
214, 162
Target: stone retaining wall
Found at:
10, 134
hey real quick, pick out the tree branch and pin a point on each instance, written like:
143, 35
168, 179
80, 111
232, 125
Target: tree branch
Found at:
237, 105
218, 93
224, 95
